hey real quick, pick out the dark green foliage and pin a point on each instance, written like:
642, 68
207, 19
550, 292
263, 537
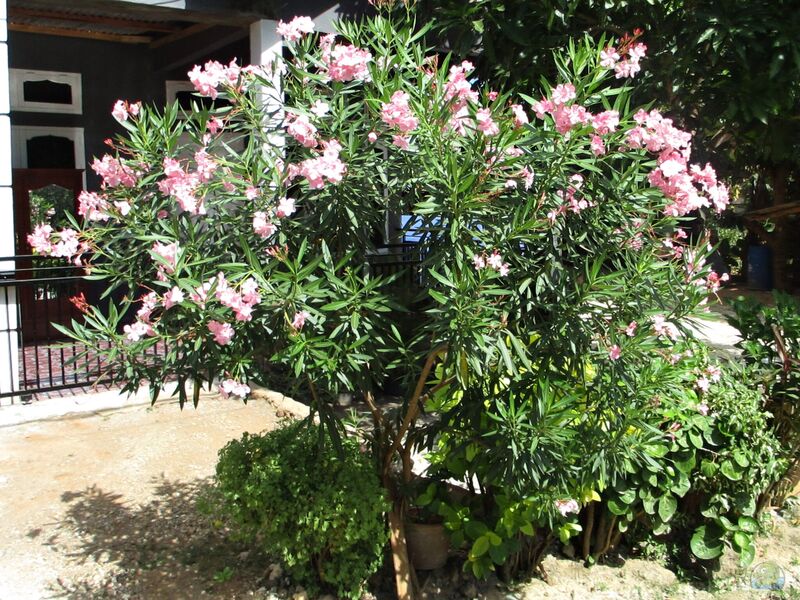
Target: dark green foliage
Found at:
321, 512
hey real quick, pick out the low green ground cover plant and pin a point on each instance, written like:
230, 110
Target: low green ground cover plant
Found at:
319, 510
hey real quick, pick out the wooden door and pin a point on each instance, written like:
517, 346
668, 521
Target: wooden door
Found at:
46, 284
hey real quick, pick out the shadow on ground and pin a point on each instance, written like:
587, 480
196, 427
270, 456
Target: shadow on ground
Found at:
162, 549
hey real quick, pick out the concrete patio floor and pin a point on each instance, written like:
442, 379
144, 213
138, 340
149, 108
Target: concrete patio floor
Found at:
119, 457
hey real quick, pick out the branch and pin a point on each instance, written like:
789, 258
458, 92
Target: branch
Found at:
413, 403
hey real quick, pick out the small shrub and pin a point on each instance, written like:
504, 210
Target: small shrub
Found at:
319, 510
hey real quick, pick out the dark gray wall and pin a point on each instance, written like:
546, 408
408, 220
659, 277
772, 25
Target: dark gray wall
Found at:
109, 71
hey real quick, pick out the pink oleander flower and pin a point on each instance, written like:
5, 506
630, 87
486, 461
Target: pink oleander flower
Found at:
206, 165
241, 303
231, 387
214, 125
598, 146
492, 96
40, 240
173, 297
520, 117
485, 122
295, 29
527, 175
614, 352
262, 225
372, 137
320, 108
702, 408
703, 384
714, 373
149, 304
346, 62
113, 172
401, 141
662, 327
605, 122
566, 507
168, 252
182, 186
137, 331
630, 330
251, 192
609, 57
317, 170
563, 93
397, 113
93, 206
479, 261
120, 111
299, 320
511, 184
222, 332
208, 79
458, 89
285, 208
123, 207
301, 129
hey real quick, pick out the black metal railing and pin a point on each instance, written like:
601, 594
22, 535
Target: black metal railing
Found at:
403, 260
35, 357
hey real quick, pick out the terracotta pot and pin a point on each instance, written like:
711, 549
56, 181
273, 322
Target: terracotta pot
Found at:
427, 545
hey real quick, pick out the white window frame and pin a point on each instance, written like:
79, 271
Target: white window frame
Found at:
20, 134
173, 86
18, 77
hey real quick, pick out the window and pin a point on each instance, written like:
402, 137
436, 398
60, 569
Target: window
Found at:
45, 91
47, 148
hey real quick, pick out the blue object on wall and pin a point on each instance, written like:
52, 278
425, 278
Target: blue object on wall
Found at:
759, 268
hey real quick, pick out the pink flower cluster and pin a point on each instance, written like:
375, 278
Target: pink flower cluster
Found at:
519, 114
241, 302
344, 62
168, 252
262, 224
113, 172
207, 80
136, 331
327, 167
688, 187
565, 114
295, 29
222, 332
493, 261
301, 129
458, 89
397, 113
570, 200
299, 319
231, 387
124, 109
662, 327
182, 185
93, 206
486, 123
67, 246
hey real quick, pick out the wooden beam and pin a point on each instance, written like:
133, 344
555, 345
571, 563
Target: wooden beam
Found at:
145, 12
177, 57
770, 212
15, 11
179, 35
78, 33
